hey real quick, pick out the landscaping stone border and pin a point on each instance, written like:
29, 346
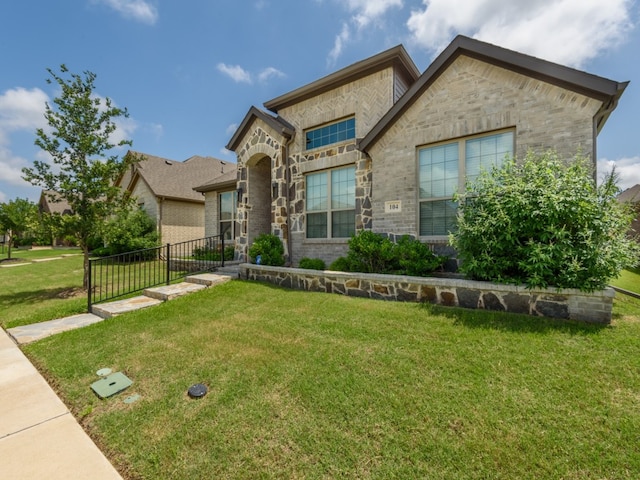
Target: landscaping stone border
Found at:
595, 307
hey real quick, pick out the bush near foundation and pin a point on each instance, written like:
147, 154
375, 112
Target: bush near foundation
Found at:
371, 252
544, 222
269, 248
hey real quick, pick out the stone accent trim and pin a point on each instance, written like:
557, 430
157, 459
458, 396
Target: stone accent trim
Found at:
570, 304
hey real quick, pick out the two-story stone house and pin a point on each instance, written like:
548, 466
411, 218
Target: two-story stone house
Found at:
379, 146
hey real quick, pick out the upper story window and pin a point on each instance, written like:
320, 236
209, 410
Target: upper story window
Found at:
333, 133
443, 169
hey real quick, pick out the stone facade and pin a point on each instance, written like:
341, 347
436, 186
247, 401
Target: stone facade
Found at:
472, 89
567, 304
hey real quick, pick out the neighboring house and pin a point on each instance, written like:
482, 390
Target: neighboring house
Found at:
379, 146
632, 196
164, 189
52, 203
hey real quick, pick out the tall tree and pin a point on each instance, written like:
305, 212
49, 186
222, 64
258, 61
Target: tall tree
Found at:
82, 135
16, 217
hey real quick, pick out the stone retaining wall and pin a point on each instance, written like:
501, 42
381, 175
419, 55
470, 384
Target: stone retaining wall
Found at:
564, 304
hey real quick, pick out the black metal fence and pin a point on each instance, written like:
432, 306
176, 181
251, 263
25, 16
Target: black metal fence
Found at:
119, 275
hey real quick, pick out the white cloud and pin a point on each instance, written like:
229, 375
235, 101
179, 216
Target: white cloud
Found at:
231, 129
139, 10
21, 109
363, 14
235, 72
11, 167
338, 44
628, 170
569, 32
270, 72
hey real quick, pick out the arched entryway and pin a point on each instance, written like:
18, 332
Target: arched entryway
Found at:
259, 197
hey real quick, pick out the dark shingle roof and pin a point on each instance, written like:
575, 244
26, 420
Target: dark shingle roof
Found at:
52, 202
630, 194
226, 180
176, 180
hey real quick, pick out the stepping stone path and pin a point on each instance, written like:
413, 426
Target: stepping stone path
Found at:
151, 297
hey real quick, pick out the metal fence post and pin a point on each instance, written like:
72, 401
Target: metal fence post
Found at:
89, 288
168, 263
222, 256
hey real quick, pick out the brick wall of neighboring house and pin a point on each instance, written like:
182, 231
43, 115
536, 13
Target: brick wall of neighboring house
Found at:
212, 213
181, 221
473, 97
145, 198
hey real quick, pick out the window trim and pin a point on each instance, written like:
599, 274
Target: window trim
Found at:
234, 214
329, 210
328, 125
462, 169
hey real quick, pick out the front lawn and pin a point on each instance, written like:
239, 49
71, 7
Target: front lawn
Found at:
628, 280
311, 385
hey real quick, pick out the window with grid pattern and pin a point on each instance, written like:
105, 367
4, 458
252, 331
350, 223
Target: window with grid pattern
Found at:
334, 133
443, 169
330, 203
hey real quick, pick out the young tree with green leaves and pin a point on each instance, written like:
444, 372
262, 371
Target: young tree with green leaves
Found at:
17, 217
544, 222
83, 173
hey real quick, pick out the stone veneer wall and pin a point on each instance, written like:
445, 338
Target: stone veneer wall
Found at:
571, 304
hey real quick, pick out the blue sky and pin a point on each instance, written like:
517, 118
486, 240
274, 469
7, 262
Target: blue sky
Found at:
189, 71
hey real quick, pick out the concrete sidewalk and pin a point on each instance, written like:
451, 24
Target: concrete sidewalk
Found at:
39, 438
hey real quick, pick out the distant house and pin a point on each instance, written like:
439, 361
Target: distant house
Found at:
53, 203
165, 190
632, 196
380, 146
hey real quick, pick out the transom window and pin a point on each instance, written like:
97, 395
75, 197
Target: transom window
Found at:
331, 203
332, 133
228, 215
444, 168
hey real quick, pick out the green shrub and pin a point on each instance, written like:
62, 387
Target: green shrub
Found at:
543, 222
312, 263
415, 258
340, 264
371, 253
130, 230
269, 248
213, 253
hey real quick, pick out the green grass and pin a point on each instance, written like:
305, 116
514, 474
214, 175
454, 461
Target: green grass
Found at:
628, 280
311, 385
41, 291
29, 255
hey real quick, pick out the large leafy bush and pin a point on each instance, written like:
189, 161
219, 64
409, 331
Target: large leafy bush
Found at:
129, 230
269, 248
543, 222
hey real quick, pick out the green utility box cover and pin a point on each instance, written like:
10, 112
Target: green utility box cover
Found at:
111, 384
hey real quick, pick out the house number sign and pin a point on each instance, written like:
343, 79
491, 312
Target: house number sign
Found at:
393, 207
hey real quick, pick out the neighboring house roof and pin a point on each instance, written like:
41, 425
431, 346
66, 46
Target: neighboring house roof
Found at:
607, 91
277, 123
224, 181
53, 202
631, 195
396, 56
172, 179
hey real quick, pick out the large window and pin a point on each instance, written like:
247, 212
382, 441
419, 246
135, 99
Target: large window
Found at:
228, 215
333, 133
444, 168
331, 203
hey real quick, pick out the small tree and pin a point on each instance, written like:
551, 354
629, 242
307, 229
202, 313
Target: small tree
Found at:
82, 134
129, 230
543, 222
17, 217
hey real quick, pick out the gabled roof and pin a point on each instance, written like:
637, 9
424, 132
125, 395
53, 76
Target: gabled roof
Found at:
396, 56
172, 179
630, 195
607, 91
277, 123
226, 180
53, 202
